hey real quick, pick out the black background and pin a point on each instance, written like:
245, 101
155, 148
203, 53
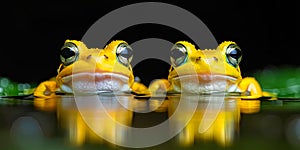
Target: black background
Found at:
34, 31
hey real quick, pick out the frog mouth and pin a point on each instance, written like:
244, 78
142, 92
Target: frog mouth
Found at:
204, 83
86, 82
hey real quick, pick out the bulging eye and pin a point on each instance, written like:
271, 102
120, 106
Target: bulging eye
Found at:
178, 55
124, 54
234, 55
69, 53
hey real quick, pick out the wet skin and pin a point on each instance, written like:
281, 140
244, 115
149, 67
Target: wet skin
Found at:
206, 71
92, 70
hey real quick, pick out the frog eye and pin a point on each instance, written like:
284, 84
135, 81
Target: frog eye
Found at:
178, 55
233, 54
124, 54
69, 53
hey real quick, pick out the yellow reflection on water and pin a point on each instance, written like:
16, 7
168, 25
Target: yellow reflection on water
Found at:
82, 129
250, 106
109, 119
45, 104
215, 120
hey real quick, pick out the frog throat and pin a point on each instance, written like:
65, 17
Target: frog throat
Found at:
94, 83
203, 83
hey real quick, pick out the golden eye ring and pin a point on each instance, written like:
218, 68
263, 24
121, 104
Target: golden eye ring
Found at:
124, 54
233, 55
178, 55
69, 53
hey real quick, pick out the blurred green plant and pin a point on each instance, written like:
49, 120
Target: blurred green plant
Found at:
12, 88
283, 81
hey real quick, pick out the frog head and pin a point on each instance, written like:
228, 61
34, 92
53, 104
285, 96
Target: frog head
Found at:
92, 70
201, 71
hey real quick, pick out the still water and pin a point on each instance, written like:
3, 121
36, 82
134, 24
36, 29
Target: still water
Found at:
127, 122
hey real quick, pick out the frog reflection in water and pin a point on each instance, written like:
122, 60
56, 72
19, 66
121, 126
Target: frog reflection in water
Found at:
92, 70
94, 124
213, 120
207, 71
200, 120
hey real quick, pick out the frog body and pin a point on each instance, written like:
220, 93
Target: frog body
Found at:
206, 71
91, 70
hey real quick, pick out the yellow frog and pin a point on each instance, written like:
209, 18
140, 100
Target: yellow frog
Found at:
92, 70
207, 71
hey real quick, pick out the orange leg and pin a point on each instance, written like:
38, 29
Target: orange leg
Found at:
251, 88
139, 88
46, 89
159, 86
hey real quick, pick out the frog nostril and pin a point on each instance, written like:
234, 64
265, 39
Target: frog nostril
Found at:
106, 57
215, 59
89, 57
198, 59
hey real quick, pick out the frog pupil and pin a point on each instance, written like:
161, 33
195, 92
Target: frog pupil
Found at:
178, 57
67, 53
126, 53
235, 54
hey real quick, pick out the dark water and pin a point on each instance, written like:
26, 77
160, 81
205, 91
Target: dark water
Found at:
126, 122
